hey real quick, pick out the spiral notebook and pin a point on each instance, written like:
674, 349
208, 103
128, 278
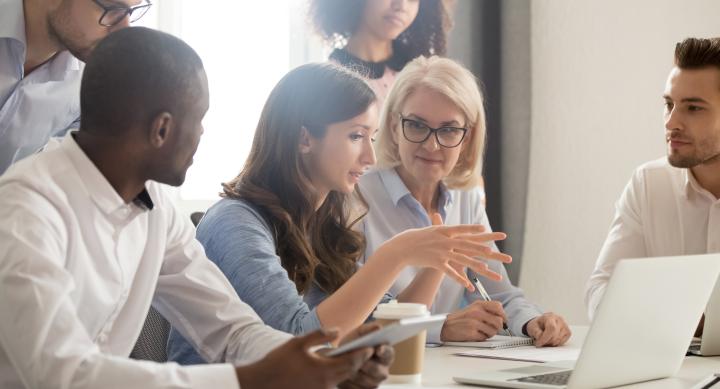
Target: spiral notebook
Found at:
496, 342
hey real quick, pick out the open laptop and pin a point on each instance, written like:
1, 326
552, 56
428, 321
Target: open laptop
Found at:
641, 330
709, 343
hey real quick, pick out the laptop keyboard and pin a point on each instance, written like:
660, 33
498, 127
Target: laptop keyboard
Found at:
558, 379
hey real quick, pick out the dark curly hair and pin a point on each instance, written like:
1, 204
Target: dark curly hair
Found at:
315, 247
336, 21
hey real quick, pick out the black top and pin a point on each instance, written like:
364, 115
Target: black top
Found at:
371, 70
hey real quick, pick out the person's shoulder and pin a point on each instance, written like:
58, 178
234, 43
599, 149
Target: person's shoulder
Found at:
44, 172
656, 164
233, 213
373, 189
371, 177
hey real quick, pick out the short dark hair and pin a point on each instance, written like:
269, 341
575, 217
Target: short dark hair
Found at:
135, 74
336, 20
694, 53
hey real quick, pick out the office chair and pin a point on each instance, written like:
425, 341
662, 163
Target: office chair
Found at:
152, 343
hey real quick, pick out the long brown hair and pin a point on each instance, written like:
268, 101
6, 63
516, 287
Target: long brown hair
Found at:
314, 246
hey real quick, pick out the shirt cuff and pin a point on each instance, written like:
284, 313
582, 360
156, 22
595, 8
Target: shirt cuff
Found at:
212, 376
516, 325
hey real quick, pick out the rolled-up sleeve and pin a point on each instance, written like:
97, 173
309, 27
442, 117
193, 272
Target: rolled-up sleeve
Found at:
625, 240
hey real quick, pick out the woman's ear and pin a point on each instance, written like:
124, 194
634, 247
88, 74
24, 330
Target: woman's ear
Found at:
306, 142
160, 129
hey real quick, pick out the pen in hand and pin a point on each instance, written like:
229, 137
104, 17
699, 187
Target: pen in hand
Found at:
485, 296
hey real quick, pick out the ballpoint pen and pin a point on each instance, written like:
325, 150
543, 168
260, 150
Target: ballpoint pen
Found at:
485, 296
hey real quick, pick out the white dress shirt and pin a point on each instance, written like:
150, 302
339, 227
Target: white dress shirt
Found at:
393, 209
662, 212
79, 269
34, 106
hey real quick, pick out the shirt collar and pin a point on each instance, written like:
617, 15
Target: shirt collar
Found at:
12, 20
397, 189
12, 26
96, 185
692, 186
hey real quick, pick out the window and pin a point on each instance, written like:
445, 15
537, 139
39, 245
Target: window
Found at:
246, 46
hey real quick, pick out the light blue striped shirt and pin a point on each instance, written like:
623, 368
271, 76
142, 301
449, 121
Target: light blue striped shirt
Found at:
393, 209
37, 106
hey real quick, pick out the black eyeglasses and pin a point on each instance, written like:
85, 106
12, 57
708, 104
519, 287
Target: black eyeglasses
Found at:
114, 14
418, 132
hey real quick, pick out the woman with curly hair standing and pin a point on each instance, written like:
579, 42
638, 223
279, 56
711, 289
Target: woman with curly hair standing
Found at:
377, 38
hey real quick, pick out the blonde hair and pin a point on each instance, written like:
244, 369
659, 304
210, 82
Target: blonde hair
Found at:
449, 78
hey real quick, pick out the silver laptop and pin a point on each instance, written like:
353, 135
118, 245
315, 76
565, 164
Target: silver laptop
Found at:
709, 343
635, 336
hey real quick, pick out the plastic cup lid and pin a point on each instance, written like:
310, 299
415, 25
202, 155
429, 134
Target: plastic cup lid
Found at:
396, 310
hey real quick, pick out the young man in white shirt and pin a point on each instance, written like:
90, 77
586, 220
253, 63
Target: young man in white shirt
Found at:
671, 207
89, 241
42, 44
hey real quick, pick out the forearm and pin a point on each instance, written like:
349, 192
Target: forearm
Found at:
423, 287
351, 305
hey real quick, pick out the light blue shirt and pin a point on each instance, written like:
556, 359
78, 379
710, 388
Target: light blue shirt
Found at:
241, 243
36, 106
393, 209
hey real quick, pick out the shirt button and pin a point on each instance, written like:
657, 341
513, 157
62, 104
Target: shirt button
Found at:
102, 338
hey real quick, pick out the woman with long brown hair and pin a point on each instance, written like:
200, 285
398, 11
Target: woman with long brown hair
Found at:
283, 232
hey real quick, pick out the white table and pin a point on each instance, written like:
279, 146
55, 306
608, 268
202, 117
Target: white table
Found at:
441, 365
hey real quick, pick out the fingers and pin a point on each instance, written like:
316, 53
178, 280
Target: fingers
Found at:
466, 330
461, 229
315, 338
566, 334
481, 269
344, 366
495, 309
384, 354
369, 376
498, 256
457, 276
562, 332
549, 330
484, 237
481, 249
486, 329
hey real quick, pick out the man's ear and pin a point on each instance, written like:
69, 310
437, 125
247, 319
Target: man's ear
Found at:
306, 141
160, 129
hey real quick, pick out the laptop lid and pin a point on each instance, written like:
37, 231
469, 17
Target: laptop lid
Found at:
643, 324
646, 320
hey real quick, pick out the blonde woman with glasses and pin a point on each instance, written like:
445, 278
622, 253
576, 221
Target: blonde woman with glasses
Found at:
430, 153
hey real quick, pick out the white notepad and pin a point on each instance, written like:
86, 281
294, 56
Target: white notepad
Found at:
496, 342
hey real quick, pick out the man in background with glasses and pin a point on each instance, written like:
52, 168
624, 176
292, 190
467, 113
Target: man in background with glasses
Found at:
43, 44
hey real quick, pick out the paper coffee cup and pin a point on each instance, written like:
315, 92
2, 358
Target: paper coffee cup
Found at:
409, 354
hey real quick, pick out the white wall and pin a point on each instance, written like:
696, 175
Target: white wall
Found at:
598, 73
